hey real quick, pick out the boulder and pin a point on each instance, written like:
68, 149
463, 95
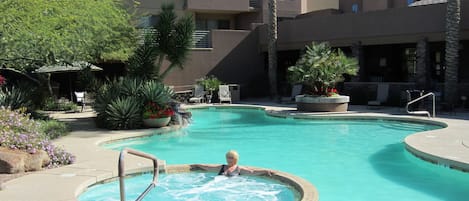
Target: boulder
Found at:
16, 161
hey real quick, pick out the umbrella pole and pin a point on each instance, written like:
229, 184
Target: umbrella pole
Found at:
70, 87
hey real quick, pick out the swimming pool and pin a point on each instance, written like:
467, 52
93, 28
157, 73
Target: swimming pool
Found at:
345, 159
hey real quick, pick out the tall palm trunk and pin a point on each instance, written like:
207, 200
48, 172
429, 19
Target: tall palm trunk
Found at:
453, 18
272, 47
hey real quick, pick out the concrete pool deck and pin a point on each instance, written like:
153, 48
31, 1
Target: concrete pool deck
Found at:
449, 146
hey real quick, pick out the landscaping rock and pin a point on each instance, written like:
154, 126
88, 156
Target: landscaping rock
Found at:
17, 161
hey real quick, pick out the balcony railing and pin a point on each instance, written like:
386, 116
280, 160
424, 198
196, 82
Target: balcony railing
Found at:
202, 39
253, 3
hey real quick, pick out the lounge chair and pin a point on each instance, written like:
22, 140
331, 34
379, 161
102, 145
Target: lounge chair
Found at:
295, 91
381, 95
198, 95
80, 98
224, 93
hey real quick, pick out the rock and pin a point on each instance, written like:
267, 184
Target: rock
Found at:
16, 161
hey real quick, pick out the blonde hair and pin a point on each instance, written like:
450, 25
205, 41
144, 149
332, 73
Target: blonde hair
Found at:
233, 154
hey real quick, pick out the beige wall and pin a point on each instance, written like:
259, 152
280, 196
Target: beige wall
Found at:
391, 26
314, 5
218, 5
234, 58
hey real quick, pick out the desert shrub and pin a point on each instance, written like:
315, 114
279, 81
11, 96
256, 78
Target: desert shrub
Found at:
53, 129
18, 131
119, 104
52, 104
15, 98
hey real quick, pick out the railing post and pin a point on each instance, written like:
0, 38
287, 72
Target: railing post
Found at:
121, 172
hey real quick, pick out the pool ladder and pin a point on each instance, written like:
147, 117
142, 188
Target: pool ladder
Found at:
419, 99
122, 172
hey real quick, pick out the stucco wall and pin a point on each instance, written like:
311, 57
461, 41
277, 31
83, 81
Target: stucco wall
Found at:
314, 5
371, 5
399, 25
234, 58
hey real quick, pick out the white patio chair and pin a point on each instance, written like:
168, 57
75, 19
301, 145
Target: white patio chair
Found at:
80, 98
224, 93
381, 95
198, 94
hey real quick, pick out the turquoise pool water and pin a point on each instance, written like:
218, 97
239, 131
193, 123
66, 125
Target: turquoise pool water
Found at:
350, 160
194, 187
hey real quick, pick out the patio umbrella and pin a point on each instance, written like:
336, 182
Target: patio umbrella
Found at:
65, 67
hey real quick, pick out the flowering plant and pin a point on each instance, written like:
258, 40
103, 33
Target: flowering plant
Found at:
3, 80
18, 131
154, 111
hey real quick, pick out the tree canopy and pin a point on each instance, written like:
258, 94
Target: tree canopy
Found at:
34, 33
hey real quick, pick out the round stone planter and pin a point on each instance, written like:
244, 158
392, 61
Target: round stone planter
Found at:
322, 104
156, 123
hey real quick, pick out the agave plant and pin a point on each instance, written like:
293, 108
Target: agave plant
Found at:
320, 68
124, 113
15, 98
156, 92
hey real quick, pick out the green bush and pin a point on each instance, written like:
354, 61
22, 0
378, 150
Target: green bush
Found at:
119, 104
320, 68
124, 113
15, 98
52, 104
53, 129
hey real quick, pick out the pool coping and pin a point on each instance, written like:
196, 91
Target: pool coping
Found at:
95, 163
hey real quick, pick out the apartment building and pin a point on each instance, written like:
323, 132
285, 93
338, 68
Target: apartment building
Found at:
393, 40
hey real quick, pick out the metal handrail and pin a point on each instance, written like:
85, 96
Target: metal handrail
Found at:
122, 172
420, 98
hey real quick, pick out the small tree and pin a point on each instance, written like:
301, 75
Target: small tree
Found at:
320, 68
170, 39
210, 83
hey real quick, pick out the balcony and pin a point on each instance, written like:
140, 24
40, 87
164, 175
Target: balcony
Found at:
226, 6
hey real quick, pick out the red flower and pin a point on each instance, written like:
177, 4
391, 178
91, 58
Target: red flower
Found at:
3, 80
153, 111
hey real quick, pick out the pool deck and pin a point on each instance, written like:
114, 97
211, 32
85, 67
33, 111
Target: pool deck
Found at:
448, 146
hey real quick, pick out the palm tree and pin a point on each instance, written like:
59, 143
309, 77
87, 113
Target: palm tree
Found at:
170, 39
272, 47
453, 18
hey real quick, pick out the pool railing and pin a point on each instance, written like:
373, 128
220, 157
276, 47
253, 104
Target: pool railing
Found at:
122, 172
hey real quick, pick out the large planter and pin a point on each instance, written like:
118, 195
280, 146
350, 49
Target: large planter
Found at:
321, 103
156, 123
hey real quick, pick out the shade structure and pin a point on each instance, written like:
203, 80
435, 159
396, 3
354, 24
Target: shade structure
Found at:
65, 67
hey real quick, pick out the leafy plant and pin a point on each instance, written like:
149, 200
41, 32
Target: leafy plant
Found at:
51, 104
15, 98
124, 113
320, 68
53, 129
210, 83
170, 39
18, 131
157, 92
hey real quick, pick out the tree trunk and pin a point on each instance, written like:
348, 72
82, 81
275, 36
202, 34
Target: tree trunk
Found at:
453, 18
272, 48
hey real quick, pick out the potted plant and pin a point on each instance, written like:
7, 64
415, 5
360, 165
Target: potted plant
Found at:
155, 115
211, 84
319, 69
156, 111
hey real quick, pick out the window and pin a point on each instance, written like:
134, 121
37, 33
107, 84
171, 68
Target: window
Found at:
355, 8
209, 24
410, 2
